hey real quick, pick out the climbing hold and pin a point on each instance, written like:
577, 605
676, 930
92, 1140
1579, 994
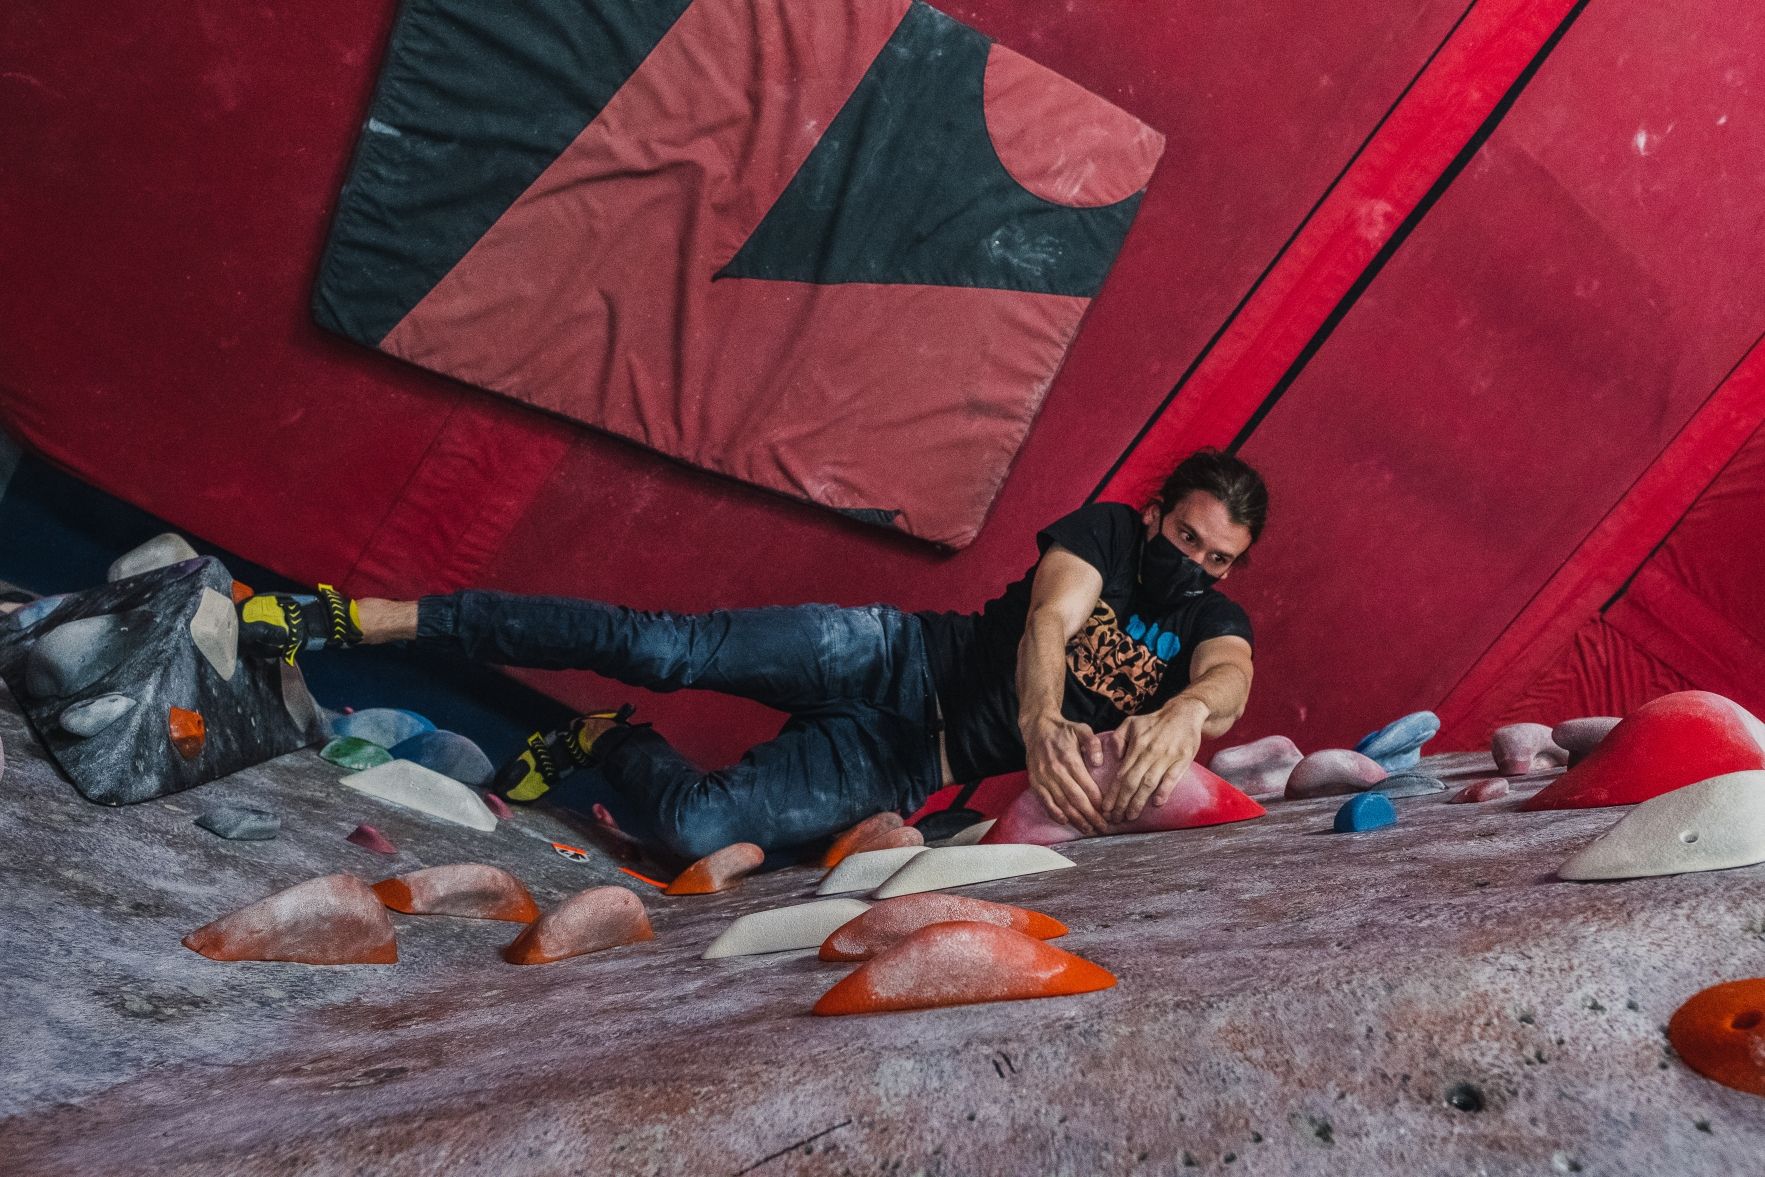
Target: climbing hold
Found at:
92, 716
416, 787
1522, 748
970, 835
369, 838
214, 627
962, 963
1408, 784
958, 866
1708, 825
1720, 1034
866, 870
240, 823
499, 807
240, 592
1398, 744
1260, 768
848, 841
188, 731
333, 919
1331, 772
447, 753
717, 871
349, 752
76, 654
601, 917
1663, 745
28, 615
159, 552
1488, 789
802, 925
893, 920
385, 726
1369, 811
469, 889
1578, 737
899, 838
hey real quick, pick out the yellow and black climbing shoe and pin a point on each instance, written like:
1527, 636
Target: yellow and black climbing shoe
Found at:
549, 757
284, 625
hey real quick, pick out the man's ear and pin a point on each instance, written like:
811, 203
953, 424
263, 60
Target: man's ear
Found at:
1151, 515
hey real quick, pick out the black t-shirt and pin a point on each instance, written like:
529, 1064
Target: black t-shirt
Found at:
1126, 659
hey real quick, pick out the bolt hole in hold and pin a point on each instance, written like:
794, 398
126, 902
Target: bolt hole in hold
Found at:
1688, 837
1748, 1020
1465, 1097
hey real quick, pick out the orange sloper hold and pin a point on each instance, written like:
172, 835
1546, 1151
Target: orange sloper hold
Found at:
464, 888
962, 963
893, 920
893, 839
333, 919
872, 827
188, 732
716, 871
1720, 1033
600, 917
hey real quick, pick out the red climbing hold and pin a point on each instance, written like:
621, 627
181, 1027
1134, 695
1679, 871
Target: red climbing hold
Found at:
895, 839
601, 917
867, 830
334, 919
962, 963
1666, 744
469, 889
893, 920
1720, 1033
188, 732
716, 871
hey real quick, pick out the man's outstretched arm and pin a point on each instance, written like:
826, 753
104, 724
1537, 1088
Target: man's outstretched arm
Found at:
1057, 751
1158, 748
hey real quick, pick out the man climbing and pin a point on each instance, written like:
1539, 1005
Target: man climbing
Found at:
1119, 624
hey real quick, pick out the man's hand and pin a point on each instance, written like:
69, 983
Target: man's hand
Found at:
1157, 750
1059, 756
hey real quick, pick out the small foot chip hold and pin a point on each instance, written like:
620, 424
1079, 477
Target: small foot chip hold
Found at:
188, 731
1489, 789
870, 828
334, 919
1720, 1034
1369, 811
893, 920
589, 921
349, 752
958, 866
802, 925
498, 806
962, 963
241, 823
370, 838
715, 872
469, 889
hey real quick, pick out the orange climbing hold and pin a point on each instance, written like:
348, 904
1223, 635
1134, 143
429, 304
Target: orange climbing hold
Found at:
893, 920
716, 871
895, 839
469, 889
962, 963
333, 919
1720, 1033
241, 592
601, 917
871, 828
188, 732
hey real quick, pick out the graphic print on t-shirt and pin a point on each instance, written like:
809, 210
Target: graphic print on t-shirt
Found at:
1108, 661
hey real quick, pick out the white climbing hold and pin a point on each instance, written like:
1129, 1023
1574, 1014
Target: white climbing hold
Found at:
1711, 825
94, 715
867, 870
416, 787
158, 552
968, 835
804, 925
958, 866
214, 627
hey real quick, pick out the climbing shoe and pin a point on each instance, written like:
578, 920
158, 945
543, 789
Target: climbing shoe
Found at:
549, 757
286, 624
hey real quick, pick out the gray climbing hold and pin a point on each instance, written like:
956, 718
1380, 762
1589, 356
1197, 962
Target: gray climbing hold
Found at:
94, 715
214, 627
1409, 784
76, 654
385, 726
1398, 745
241, 823
158, 552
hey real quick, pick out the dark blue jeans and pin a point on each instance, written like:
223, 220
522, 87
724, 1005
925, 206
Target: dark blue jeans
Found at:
856, 683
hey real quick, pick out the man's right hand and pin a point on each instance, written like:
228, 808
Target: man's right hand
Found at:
1059, 756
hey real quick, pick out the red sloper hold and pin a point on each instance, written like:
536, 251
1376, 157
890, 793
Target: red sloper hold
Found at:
893, 920
334, 919
962, 963
469, 889
1666, 744
716, 871
872, 827
600, 917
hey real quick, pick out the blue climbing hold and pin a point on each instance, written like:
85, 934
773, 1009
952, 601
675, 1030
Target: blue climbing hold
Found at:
1368, 811
385, 726
449, 754
1398, 745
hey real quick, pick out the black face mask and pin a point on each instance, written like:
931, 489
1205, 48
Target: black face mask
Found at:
1167, 577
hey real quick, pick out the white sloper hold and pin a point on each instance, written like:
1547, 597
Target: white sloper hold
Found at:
214, 627
958, 866
159, 552
867, 870
1710, 825
804, 925
970, 835
426, 791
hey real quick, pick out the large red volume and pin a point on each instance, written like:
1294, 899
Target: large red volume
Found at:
962, 963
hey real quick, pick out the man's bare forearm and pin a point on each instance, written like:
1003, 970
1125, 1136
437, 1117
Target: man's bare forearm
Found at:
1222, 691
1041, 667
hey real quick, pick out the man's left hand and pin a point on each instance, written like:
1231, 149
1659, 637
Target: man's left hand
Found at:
1157, 750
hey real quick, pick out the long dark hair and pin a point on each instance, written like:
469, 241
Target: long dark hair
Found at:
1227, 478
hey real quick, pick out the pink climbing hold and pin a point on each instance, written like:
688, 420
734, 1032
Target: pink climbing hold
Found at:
601, 917
1580, 736
962, 963
1200, 799
1666, 744
1524, 748
333, 919
895, 839
1489, 789
369, 838
1332, 772
891, 921
470, 889
499, 807
1260, 768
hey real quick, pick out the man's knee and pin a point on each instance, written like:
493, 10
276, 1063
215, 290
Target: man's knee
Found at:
699, 823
